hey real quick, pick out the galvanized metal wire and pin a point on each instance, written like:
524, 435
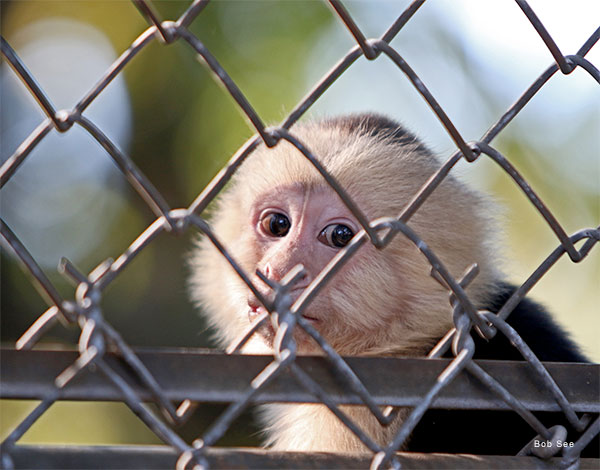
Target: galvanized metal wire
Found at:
99, 340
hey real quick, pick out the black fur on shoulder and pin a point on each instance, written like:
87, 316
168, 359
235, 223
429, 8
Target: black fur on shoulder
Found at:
501, 432
534, 324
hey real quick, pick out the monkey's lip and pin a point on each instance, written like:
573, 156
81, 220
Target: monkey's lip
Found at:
311, 319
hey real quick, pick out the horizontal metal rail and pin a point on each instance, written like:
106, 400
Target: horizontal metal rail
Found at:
161, 457
198, 375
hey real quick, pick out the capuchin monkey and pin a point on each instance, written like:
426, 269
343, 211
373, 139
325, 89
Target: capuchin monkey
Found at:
279, 212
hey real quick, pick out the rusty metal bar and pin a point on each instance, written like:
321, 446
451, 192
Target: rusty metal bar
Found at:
161, 457
391, 381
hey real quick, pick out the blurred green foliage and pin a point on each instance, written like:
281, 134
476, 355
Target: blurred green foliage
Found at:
186, 126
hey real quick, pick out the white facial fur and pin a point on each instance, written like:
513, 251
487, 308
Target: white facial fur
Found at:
382, 301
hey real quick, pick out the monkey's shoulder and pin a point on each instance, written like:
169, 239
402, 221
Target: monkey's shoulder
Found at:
535, 326
486, 431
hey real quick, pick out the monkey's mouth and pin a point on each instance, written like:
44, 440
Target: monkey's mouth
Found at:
310, 319
256, 311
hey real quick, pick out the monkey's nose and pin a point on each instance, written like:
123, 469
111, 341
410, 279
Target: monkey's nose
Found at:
275, 273
268, 271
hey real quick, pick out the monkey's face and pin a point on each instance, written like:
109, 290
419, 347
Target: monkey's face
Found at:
294, 225
279, 212
297, 225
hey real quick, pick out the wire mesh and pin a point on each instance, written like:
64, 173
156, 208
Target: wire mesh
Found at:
100, 344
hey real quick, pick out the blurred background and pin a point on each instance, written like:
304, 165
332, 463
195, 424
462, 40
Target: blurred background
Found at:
179, 126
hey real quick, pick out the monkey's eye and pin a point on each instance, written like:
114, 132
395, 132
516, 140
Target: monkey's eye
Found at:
336, 235
276, 224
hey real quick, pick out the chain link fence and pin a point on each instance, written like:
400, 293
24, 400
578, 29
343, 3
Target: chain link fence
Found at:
163, 377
